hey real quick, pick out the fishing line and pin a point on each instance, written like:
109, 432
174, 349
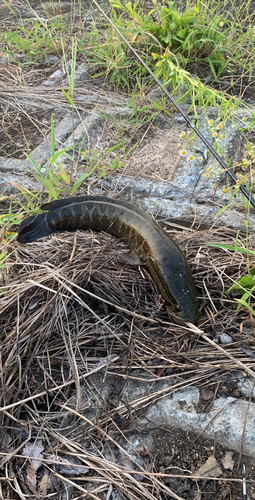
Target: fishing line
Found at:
190, 123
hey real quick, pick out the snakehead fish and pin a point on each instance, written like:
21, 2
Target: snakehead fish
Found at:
163, 257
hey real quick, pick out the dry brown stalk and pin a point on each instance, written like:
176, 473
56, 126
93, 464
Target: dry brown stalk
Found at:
92, 314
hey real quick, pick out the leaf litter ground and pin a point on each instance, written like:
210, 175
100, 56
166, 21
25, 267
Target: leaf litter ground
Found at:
70, 307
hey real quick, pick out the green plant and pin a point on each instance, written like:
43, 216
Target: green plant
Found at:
6, 222
184, 34
245, 176
245, 285
182, 37
171, 43
57, 180
108, 53
3, 257
38, 42
170, 38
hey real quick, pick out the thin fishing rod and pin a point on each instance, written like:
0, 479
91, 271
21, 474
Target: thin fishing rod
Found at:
190, 123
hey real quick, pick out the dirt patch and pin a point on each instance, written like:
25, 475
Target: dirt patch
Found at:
182, 453
155, 147
159, 154
42, 8
21, 132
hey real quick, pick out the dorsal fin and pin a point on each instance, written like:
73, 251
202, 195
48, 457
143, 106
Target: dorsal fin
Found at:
56, 204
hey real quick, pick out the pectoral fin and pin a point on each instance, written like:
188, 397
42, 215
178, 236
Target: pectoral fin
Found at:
131, 258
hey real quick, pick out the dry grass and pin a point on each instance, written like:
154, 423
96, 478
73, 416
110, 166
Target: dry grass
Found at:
17, 84
72, 308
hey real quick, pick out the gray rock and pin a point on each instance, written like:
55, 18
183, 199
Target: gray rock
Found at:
82, 73
117, 496
224, 423
4, 61
20, 171
55, 78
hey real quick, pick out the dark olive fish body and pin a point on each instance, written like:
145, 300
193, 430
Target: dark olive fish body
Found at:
165, 260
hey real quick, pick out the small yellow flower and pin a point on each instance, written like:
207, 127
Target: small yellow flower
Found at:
200, 158
191, 157
209, 169
244, 160
182, 134
221, 24
223, 136
207, 175
219, 125
215, 134
183, 152
224, 190
211, 122
251, 152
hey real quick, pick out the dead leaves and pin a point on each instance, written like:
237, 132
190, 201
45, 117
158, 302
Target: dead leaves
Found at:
33, 453
210, 468
227, 461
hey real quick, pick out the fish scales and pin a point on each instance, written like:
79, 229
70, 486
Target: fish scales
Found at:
164, 258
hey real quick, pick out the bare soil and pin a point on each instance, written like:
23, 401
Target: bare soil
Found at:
178, 452
21, 132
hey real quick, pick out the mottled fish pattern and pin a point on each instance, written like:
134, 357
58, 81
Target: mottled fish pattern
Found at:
163, 257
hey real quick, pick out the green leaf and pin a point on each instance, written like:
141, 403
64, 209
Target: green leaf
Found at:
243, 303
212, 68
79, 181
230, 247
157, 105
25, 193
219, 57
115, 147
3, 257
59, 153
182, 33
68, 97
49, 187
32, 162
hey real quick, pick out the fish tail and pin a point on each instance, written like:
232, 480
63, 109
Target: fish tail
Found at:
32, 228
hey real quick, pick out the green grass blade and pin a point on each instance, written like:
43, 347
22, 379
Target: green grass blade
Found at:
68, 97
230, 247
52, 136
79, 182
